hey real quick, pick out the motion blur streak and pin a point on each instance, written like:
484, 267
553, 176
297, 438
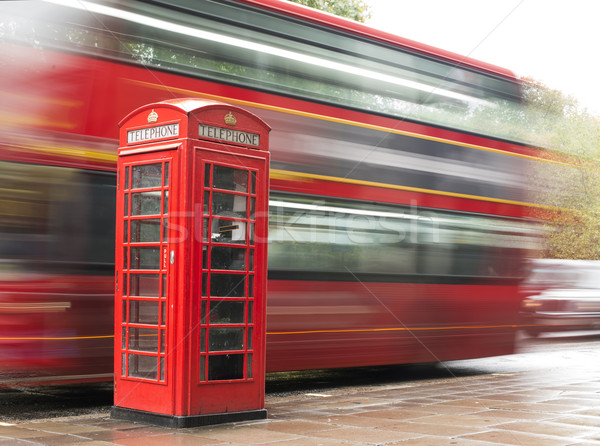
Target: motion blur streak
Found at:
394, 329
399, 197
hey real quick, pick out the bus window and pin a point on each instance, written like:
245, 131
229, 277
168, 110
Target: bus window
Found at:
56, 217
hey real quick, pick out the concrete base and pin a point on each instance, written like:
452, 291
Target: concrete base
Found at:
177, 421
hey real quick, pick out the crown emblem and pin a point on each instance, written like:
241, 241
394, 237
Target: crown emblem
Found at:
152, 117
230, 119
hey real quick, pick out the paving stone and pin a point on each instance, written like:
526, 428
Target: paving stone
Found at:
499, 409
515, 438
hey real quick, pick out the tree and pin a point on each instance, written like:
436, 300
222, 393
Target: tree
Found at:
569, 182
356, 10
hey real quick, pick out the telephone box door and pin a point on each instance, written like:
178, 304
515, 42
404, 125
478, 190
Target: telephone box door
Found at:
231, 259
144, 286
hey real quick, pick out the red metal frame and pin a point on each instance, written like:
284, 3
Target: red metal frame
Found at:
230, 308
144, 287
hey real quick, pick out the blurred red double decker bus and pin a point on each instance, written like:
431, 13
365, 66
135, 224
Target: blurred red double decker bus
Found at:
398, 210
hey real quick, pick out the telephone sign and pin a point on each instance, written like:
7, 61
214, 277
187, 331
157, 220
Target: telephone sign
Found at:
153, 133
229, 135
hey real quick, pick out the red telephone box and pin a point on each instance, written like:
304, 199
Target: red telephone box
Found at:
191, 256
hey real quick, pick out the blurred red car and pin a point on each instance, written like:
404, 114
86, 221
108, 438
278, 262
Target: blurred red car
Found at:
561, 295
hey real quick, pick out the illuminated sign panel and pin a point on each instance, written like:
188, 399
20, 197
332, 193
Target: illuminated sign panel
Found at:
229, 135
152, 133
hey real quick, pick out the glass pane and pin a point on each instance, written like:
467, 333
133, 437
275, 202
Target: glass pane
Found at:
203, 312
126, 178
162, 369
250, 312
204, 282
143, 339
230, 178
125, 231
143, 312
164, 286
166, 202
146, 285
227, 285
249, 366
226, 257
125, 259
226, 339
249, 344
145, 203
145, 258
141, 366
250, 285
149, 175
207, 175
166, 182
123, 364
126, 205
205, 230
163, 313
229, 205
252, 207
206, 202
228, 231
252, 182
162, 341
203, 340
204, 257
145, 231
202, 368
225, 367
226, 312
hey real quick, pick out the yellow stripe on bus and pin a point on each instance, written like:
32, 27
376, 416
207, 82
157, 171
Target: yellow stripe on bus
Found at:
337, 120
67, 151
365, 330
299, 176
273, 333
65, 338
